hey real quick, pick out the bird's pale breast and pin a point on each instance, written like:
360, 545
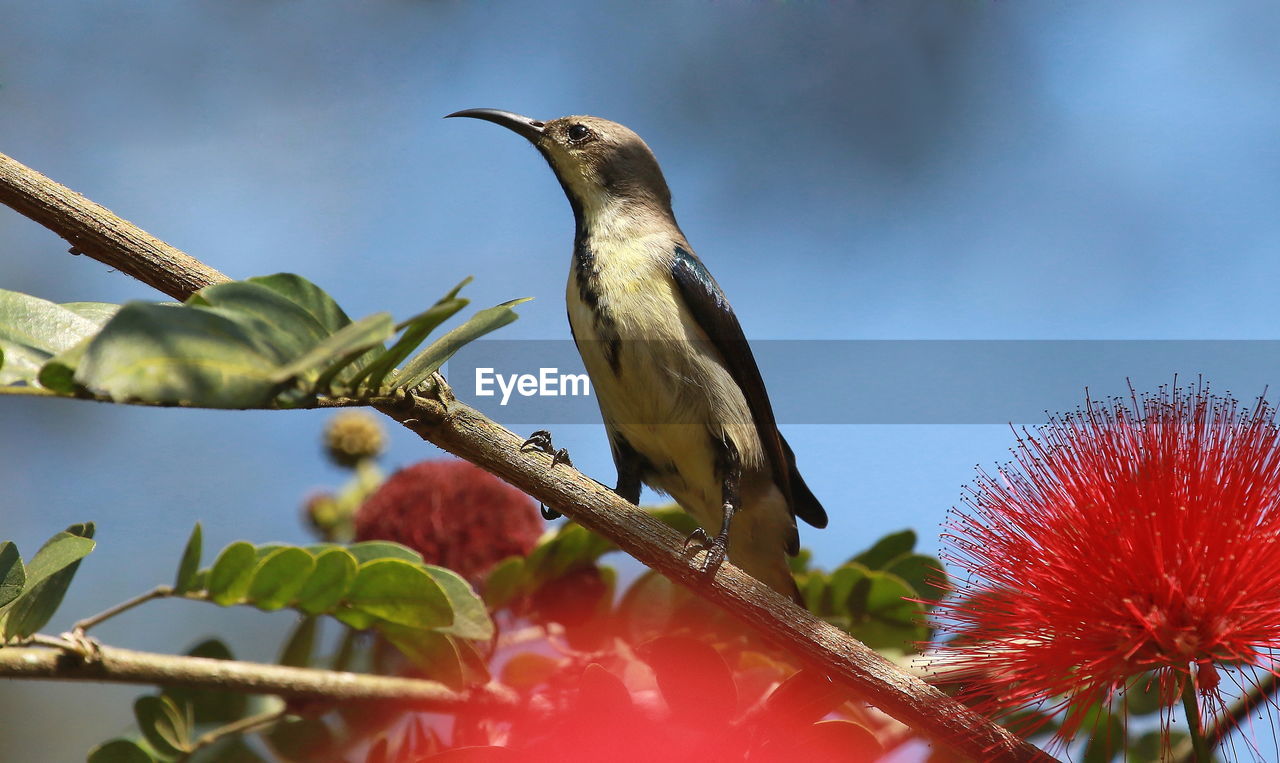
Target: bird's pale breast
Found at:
634, 334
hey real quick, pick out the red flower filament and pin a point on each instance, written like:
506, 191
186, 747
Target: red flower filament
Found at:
1135, 536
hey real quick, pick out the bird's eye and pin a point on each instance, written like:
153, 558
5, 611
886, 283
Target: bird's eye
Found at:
578, 132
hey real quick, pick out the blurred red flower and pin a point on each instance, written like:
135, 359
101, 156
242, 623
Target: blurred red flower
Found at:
454, 513
1132, 536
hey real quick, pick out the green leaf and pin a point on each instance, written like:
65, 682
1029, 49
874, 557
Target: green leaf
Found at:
351, 341
399, 592
435, 654
372, 550
32, 330
812, 585
840, 587
695, 680
308, 296
285, 330
475, 657
59, 372
278, 577
438, 352
799, 564
649, 606
355, 618
326, 311
504, 582
231, 574
883, 618
120, 751
346, 653
835, 740
97, 312
178, 355
470, 618
1106, 740
888, 598
887, 548
301, 644
572, 547
47, 577
162, 724
922, 573
603, 694
209, 705
185, 580
1142, 695
302, 739
805, 697
415, 330
266, 549
13, 575
334, 572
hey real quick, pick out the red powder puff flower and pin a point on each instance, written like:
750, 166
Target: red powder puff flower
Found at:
455, 514
1141, 535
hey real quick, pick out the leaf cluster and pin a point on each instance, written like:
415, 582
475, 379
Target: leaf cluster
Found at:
275, 341
375, 585
880, 596
30, 593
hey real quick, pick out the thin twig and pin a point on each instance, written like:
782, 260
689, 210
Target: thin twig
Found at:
159, 592
116, 665
468, 434
242, 726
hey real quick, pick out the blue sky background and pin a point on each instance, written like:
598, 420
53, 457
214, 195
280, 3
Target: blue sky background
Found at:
916, 169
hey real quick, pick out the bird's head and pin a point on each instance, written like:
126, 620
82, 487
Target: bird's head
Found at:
597, 161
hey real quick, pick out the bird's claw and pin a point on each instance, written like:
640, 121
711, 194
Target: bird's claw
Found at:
717, 548
541, 442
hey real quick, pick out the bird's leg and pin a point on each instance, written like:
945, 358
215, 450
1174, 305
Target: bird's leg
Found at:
629, 465
718, 547
541, 442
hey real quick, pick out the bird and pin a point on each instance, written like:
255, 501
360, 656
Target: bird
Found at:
683, 402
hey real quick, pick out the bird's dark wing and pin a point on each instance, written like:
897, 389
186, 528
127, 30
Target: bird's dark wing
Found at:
709, 307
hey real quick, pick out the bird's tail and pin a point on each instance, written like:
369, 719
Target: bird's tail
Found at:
804, 503
772, 570
759, 540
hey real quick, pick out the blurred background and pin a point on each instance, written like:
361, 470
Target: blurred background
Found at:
916, 169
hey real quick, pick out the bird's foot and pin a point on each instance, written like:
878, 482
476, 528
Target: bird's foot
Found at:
541, 442
717, 548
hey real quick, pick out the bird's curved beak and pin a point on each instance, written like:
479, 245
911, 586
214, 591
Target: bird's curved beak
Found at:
530, 129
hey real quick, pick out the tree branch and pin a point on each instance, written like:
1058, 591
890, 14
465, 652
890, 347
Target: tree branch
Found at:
468, 434
94, 230
115, 665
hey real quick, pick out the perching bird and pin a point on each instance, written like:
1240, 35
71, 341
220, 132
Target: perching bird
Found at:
682, 399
